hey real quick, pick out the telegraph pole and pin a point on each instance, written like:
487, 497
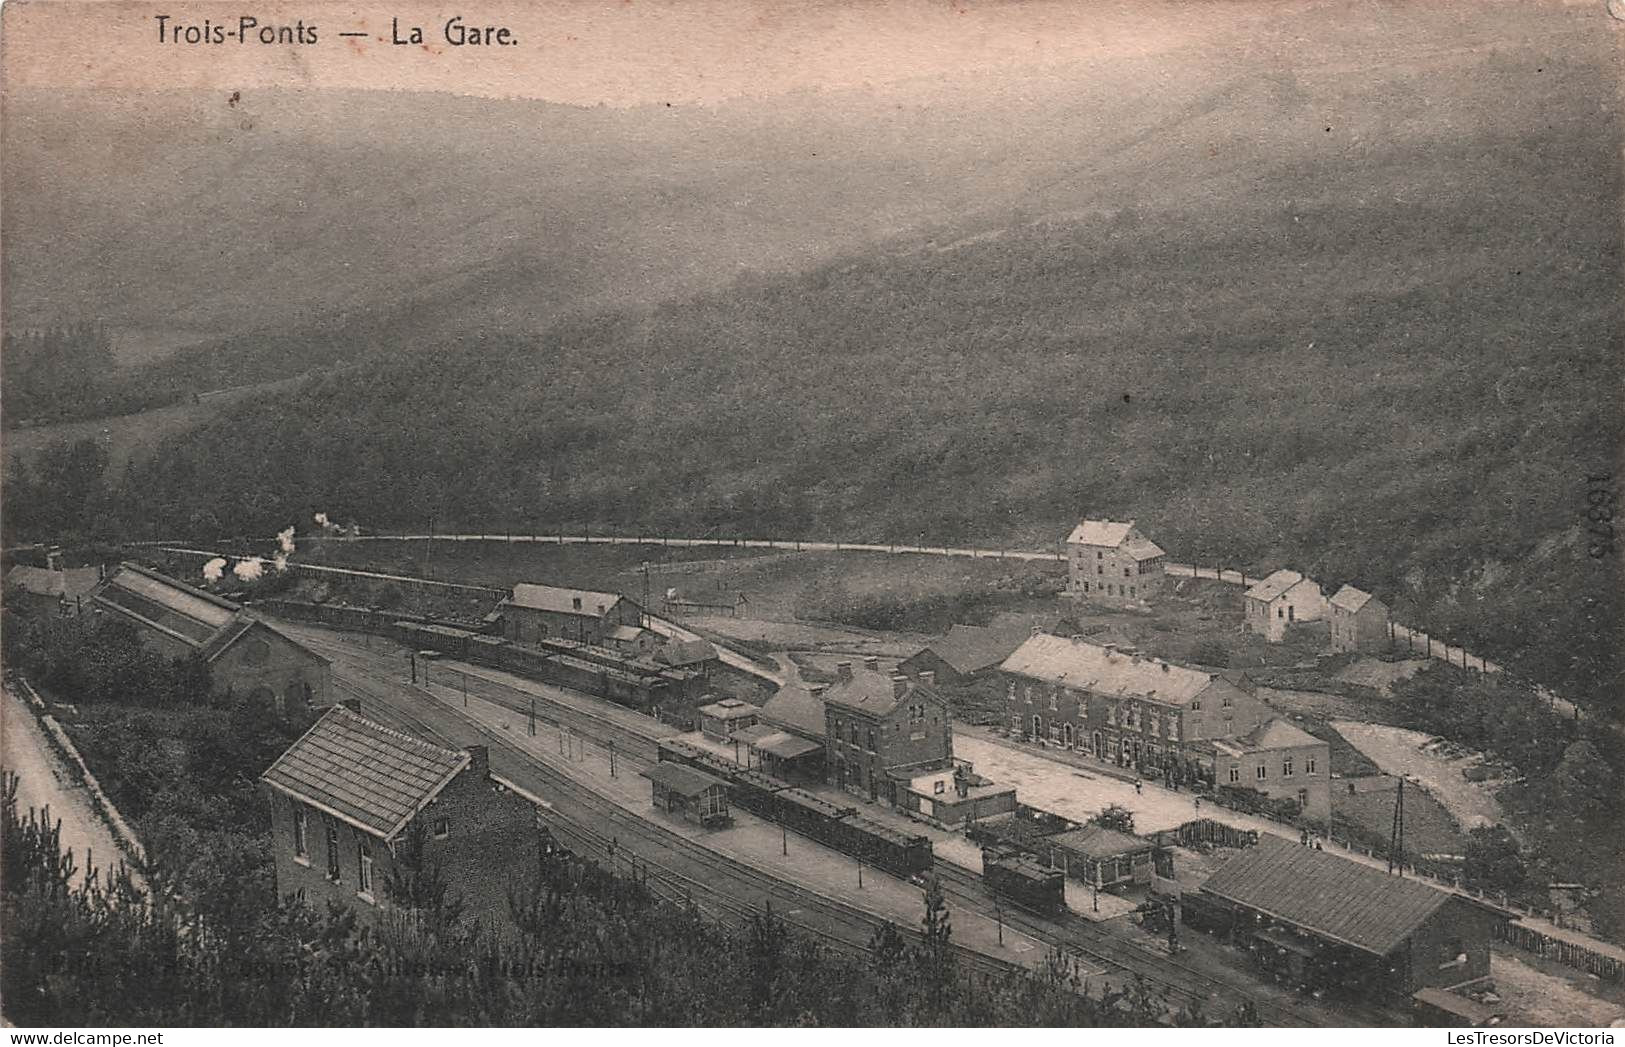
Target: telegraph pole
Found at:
1396, 840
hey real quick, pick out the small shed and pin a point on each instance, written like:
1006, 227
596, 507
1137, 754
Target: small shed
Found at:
784, 755
1102, 857
720, 720
692, 795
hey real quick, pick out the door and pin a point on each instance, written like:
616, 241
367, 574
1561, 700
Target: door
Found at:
1100, 751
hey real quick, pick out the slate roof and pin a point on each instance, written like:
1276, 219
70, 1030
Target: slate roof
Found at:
871, 692
1143, 549
1278, 734
971, 648
796, 709
371, 776
561, 600
1328, 896
42, 581
681, 778
1079, 663
1097, 841
629, 633
1277, 583
784, 745
729, 709
1350, 599
683, 653
1100, 532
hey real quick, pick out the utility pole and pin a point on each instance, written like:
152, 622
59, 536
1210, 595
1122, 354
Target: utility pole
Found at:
413, 656
784, 840
612, 759
532, 724
1396, 840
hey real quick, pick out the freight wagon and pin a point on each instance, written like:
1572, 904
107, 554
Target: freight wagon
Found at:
837, 826
1022, 878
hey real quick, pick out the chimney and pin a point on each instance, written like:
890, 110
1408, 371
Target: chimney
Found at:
480, 760
817, 689
928, 677
843, 671
899, 684
575, 603
352, 704
872, 664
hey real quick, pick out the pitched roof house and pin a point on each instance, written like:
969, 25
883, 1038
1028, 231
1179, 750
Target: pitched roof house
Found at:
1111, 561
542, 612
352, 800
1280, 600
1359, 621
966, 651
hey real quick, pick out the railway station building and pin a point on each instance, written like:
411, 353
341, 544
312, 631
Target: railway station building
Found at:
246, 657
354, 802
882, 729
689, 794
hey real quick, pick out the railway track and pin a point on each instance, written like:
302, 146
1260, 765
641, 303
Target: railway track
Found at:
733, 892
1079, 937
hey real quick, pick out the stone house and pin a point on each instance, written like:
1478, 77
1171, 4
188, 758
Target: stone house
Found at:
882, 730
1280, 601
1360, 621
1113, 563
551, 612
1277, 759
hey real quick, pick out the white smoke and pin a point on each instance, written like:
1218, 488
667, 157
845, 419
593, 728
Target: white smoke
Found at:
327, 525
249, 570
284, 541
214, 569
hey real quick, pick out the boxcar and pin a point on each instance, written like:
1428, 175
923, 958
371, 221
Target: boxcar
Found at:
1024, 880
899, 853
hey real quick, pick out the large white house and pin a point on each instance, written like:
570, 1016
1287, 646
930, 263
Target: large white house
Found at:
1111, 562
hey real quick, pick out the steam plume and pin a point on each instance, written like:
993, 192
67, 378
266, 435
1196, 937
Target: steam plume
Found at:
214, 569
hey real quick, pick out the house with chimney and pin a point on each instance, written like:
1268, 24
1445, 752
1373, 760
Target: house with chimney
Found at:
883, 730
1113, 703
1110, 562
1280, 601
966, 655
246, 657
553, 612
1359, 621
1276, 758
356, 805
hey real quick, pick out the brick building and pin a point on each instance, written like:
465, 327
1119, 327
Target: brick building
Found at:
967, 654
1359, 621
1117, 705
246, 657
1277, 759
352, 800
1113, 563
551, 612
1319, 920
1283, 599
883, 730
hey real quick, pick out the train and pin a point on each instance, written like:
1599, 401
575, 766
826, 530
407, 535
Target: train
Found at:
564, 663
1019, 876
837, 826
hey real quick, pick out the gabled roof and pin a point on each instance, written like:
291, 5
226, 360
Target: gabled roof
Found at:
681, 778
1089, 666
796, 709
42, 581
872, 693
375, 778
1275, 585
1328, 896
1097, 841
971, 648
680, 653
192, 614
1351, 599
1106, 533
1272, 734
1143, 548
561, 600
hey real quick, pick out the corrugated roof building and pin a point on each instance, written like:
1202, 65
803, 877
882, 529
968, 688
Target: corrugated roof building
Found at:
1325, 920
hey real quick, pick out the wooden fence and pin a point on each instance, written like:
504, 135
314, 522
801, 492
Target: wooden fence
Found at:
1570, 954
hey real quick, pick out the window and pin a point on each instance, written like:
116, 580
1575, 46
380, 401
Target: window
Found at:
364, 868
871, 739
1173, 729
1015, 723
1263, 772
1099, 555
1028, 692
1280, 613
1235, 775
1125, 572
1055, 732
939, 787
301, 839
1099, 569
1131, 590
333, 852
1286, 767
1055, 702
1196, 705
1308, 765
442, 828
1038, 727
1224, 703
1085, 586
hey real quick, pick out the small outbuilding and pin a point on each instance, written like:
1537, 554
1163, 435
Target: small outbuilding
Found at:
690, 794
1100, 856
720, 720
955, 798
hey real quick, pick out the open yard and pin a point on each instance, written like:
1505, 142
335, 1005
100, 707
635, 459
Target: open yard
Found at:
1398, 751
